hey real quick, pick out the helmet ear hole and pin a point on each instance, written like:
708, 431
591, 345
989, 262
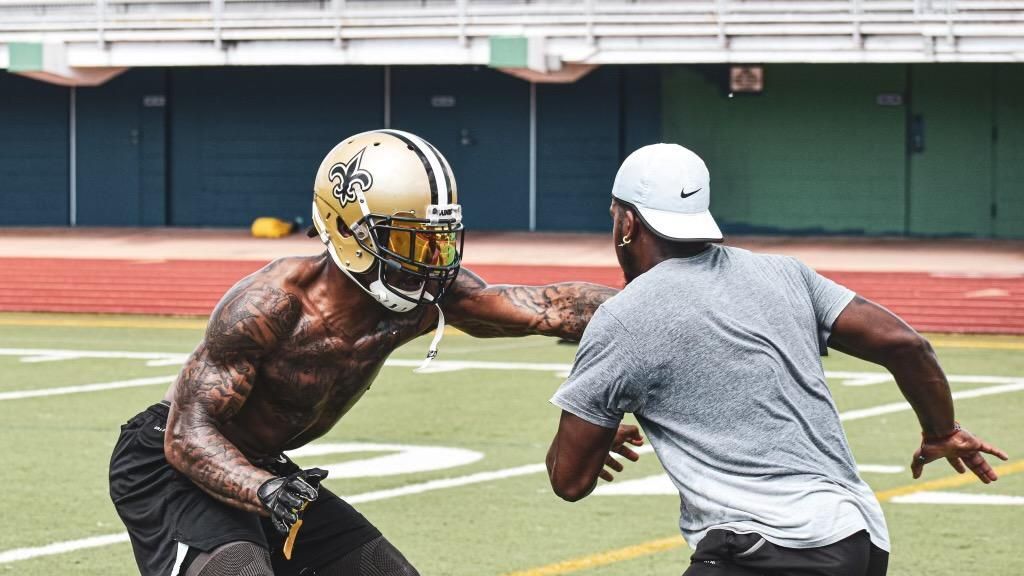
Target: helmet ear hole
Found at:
343, 228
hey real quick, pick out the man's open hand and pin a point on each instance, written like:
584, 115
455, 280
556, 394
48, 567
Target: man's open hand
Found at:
963, 450
626, 434
285, 497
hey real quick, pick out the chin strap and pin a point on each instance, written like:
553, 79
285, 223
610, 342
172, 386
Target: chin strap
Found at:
438, 334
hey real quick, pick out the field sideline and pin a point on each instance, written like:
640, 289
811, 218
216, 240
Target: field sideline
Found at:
449, 464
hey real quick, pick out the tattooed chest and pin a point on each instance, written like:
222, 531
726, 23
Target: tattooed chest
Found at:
304, 388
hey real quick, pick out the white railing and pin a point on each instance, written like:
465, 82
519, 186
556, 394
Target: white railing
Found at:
596, 31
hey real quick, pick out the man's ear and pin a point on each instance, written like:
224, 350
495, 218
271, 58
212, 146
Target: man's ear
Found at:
630, 223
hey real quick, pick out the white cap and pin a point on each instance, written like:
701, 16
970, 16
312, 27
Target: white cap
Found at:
671, 189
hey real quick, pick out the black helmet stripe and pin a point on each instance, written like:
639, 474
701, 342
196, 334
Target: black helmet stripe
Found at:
422, 152
447, 173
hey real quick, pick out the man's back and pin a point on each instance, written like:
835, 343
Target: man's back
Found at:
721, 355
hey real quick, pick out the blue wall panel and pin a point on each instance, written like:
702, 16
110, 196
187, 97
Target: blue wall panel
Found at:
584, 131
578, 150
33, 152
121, 159
641, 107
480, 120
246, 142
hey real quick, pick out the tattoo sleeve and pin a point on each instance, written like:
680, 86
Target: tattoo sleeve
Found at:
562, 310
214, 384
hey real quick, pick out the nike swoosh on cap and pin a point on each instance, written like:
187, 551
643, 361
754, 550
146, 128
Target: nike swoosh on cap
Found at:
683, 194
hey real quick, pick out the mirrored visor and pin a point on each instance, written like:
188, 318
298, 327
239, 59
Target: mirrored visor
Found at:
424, 246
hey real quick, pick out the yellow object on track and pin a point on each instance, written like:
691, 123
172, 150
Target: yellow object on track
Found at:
268, 227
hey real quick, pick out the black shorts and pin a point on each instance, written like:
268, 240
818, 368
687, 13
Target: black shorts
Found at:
165, 512
726, 553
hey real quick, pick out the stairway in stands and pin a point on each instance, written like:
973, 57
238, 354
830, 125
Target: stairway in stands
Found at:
929, 302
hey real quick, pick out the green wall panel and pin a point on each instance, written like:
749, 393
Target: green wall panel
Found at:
813, 153
951, 180
1009, 151
509, 51
24, 56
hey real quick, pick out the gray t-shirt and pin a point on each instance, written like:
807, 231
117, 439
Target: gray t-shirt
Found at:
718, 356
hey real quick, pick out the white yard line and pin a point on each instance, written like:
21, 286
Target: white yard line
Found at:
872, 378
497, 347
452, 365
62, 390
62, 547
46, 354
902, 406
879, 468
443, 483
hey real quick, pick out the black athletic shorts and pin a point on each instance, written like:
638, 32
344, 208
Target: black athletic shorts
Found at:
162, 508
725, 553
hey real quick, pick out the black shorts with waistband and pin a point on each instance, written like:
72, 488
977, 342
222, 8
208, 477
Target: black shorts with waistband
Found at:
162, 508
727, 553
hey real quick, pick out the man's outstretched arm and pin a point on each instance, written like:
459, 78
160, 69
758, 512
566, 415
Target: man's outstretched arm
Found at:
213, 387
484, 310
870, 332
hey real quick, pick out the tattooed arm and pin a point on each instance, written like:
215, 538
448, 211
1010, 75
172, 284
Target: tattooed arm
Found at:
510, 310
213, 386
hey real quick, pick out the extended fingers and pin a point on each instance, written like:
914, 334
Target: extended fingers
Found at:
976, 462
613, 463
634, 437
606, 475
627, 453
956, 464
990, 449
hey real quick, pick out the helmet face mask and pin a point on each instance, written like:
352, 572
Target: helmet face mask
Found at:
415, 254
385, 204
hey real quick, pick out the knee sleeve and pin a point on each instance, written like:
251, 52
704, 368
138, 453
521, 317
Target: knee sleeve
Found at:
375, 558
231, 559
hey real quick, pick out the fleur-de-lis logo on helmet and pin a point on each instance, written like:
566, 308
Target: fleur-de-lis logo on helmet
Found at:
347, 175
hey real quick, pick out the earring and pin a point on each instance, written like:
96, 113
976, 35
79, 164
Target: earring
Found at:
625, 240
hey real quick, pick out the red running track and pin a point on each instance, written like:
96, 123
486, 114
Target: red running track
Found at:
929, 302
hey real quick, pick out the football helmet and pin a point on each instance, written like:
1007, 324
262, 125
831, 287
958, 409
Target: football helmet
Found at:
388, 198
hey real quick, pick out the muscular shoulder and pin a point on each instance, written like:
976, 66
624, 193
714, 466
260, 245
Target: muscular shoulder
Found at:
467, 284
258, 311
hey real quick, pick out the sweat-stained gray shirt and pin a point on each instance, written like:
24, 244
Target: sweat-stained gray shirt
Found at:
718, 356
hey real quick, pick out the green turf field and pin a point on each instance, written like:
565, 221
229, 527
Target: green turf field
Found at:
493, 417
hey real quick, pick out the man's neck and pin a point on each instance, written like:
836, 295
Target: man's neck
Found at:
346, 293
663, 251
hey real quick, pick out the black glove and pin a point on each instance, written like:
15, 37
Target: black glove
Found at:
285, 497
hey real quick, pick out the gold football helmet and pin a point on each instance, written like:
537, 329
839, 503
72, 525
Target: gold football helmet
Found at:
388, 198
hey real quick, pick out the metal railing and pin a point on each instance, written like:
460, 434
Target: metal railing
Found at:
617, 22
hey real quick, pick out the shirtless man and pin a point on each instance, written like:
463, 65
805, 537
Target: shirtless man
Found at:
199, 479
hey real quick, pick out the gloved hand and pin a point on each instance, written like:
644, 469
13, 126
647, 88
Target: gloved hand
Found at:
285, 497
